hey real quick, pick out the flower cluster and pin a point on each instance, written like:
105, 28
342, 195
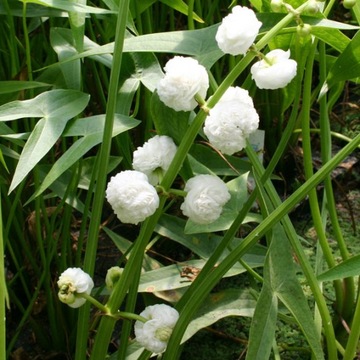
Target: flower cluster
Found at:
228, 125
72, 283
155, 332
205, 198
231, 121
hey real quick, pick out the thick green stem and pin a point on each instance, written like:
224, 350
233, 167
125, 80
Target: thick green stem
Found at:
3, 293
325, 139
100, 174
308, 170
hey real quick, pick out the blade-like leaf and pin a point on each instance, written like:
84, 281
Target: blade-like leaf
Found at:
14, 86
263, 326
347, 268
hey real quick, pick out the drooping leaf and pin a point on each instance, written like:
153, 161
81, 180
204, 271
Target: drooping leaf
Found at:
91, 130
200, 44
55, 108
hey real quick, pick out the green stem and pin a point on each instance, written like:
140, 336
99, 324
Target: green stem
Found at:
188, 311
3, 293
325, 139
101, 174
353, 341
308, 170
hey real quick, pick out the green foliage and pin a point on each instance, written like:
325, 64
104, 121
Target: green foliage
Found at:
78, 95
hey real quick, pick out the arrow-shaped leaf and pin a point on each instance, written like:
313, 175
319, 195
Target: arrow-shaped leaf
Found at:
55, 108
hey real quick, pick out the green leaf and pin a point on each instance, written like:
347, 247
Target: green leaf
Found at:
200, 44
56, 108
180, 6
218, 164
69, 6
17, 85
168, 121
63, 44
347, 65
280, 280
203, 245
230, 302
263, 326
347, 268
91, 129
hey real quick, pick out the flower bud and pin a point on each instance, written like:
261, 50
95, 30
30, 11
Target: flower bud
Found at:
276, 5
303, 30
348, 4
313, 7
112, 276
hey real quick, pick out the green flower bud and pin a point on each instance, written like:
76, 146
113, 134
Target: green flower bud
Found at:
112, 276
348, 4
313, 7
303, 30
276, 5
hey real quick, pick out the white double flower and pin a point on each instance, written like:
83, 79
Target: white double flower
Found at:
205, 198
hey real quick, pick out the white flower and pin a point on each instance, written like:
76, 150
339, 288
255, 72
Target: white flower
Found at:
231, 121
238, 31
131, 196
275, 72
154, 334
154, 157
206, 195
71, 282
184, 78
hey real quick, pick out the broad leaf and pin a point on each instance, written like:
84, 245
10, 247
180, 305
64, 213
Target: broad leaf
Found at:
347, 65
230, 302
55, 108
